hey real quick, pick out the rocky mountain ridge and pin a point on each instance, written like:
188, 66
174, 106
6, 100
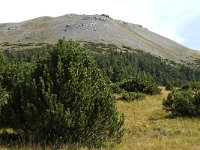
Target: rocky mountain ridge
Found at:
92, 28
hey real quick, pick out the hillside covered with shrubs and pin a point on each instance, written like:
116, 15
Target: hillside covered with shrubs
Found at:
65, 93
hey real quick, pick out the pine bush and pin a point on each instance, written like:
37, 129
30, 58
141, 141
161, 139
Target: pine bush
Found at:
142, 83
183, 102
131, 96
64, 100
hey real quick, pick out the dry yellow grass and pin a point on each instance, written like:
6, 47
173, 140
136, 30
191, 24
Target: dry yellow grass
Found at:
147, 126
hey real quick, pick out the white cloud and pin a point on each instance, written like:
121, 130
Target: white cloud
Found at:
169, 32
171, 15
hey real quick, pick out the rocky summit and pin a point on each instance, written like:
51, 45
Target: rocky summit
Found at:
92, 28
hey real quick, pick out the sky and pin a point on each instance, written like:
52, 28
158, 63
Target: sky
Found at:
178, 20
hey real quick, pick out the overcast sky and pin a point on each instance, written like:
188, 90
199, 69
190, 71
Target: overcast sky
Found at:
178, 20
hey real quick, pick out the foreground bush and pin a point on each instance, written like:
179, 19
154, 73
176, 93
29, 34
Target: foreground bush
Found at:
64, 100
183, 103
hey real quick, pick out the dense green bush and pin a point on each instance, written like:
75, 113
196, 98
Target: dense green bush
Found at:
131, 96
11, 71
65, 99
141, 83
186, 87
192, 86
116, 89
183, 103
195, 86
169, 87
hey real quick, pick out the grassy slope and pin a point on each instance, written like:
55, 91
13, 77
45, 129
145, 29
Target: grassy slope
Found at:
147, 126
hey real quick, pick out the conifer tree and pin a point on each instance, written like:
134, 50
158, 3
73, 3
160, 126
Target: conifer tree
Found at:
65, 100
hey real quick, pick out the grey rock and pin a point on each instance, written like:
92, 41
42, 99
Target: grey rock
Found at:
95, 28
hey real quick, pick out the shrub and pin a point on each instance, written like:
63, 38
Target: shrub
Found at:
186, 87
11, 72
131, 96
169, 87
141, 83
183, 103
180, 103
116, 89
196, 86
65, 99
192, 86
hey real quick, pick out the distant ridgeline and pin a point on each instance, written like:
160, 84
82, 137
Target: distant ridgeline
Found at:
120, 63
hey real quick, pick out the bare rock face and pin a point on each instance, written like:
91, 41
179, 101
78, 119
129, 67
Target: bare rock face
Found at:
93, 28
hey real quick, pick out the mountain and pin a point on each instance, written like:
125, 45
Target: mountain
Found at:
92, 28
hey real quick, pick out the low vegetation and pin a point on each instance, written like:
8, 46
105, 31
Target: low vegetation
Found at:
63, 100
184, 102
56, 97
147, 126
169, 87
131, 96
141, 83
